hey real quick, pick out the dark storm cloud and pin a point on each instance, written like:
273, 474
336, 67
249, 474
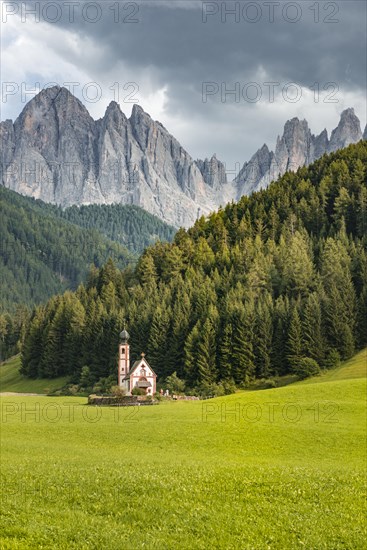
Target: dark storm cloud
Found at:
180, 50
181, 46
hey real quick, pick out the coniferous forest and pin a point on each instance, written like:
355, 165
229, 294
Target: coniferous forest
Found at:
271, 285
46, 250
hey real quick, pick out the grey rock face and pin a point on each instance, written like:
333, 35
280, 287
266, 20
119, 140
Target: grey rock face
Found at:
297, 147
213, 172
365, 133
348, 131
320, 144
7, 145
255, 174
55, 151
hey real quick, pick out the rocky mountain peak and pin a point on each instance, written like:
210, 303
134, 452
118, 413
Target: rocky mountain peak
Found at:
73, 159
348, 131
114, 116
57, 152
296, 147
213, 172
255, 173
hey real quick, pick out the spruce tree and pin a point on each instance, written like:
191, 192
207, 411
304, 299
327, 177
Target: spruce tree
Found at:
243, 367
263, 335
294, 340
206, 353
312, 329
225, 351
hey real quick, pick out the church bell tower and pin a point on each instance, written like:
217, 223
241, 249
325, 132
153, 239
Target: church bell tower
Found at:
124, 357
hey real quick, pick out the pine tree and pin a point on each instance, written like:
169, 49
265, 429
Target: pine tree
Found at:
173, 265
157, 349
33, 346
146, 270
339, 304
225, 352
362, 318
206, 353
280, 333
297, 267
312, 329
263, 335
294, 341
108, 296
190, 353
243, 367
179, 331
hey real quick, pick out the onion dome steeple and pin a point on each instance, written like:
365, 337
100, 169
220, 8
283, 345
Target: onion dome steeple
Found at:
124, 336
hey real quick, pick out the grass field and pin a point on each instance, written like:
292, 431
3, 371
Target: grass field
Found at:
12, 381
354, 368
274, 469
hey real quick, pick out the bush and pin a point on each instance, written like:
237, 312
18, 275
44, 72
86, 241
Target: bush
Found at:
117, 391
332, 359
270, 383
104, 385
307, 367
73, 389
174, 384
137, 391
206, 389
86, 378
229, 386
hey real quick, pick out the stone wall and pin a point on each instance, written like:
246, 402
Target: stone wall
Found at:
119, 401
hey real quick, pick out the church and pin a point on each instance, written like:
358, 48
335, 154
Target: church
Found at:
141, 375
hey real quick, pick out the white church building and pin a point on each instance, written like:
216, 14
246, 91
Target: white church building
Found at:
141, 375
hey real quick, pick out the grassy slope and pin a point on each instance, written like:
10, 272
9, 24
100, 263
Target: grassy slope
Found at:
189, 474
356, 367
12, 381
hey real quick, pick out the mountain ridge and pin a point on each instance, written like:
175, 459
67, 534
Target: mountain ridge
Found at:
295, 148
57, 152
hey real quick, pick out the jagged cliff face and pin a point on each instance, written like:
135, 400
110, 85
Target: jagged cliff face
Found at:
297, 147
213, 172
55, 151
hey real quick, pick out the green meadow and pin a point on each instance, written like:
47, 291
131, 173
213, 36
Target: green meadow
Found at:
275, 469
12, 381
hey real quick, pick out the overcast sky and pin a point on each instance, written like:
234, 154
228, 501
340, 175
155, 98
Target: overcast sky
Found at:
179, 58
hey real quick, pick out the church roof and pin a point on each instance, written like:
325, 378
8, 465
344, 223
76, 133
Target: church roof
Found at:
144, 384
137, 364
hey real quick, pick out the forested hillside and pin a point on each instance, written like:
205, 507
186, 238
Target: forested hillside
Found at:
129, 225
41, 254
44, 251
274, 284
